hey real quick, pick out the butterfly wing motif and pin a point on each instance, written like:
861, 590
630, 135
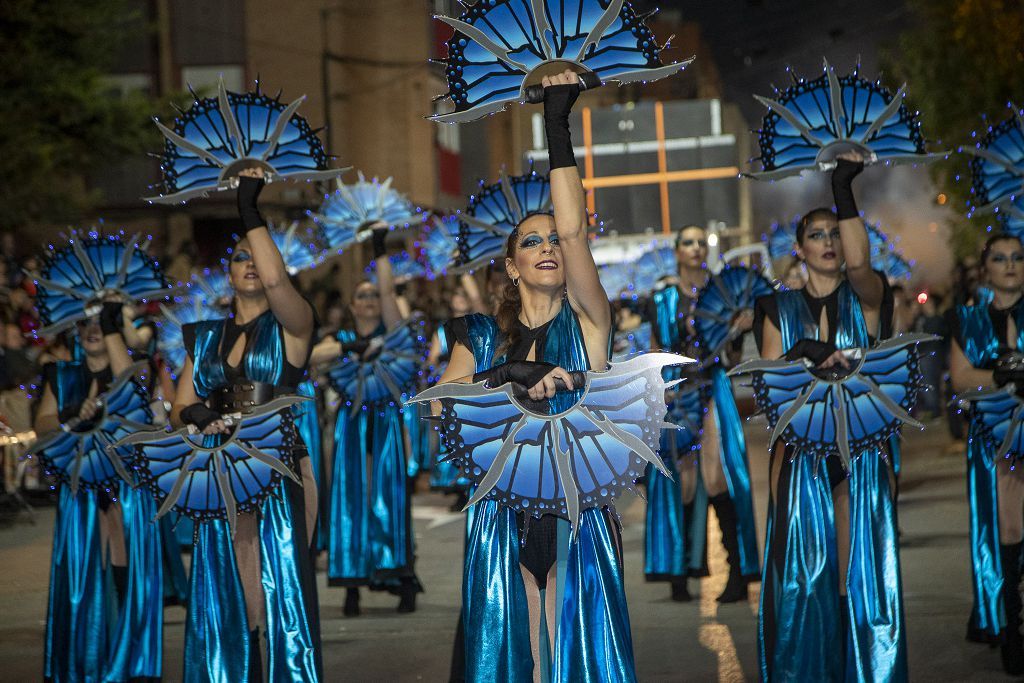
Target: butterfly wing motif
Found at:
687, 406
812, 121
997, 172
727, 293
494, 212
884, 256
498, 44
997, 413
299, 250
77, 276
219, 136
217, 477
85, 458
170, 341
439, 243
404, 267
846, 416
346, 214
629, 343
558, 464
212, 287
781, 240
391, 377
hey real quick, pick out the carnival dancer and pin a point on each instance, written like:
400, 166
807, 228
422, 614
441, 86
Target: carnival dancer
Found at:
258, 575
676, 520
831, 597
370, 530
987, 353
554, 319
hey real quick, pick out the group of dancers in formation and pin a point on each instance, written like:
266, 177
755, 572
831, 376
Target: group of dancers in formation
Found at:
543, 594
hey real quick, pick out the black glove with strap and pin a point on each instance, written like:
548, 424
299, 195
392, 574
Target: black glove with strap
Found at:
248, 195
199, 415
525, 373
812, 349
842, 187
380, 238
558, 101
111, 319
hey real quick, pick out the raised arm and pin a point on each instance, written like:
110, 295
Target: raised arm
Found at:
289, 307
110, 326
856, 248
390, 311
965, 376
567, 197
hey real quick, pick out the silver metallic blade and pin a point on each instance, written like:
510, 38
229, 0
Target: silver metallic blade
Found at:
497, 467
611, 13
279, 127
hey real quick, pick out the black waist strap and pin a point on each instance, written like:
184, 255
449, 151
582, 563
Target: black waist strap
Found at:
244, 396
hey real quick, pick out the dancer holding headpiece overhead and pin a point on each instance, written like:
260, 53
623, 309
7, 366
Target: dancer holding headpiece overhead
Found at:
831, 597
987, 369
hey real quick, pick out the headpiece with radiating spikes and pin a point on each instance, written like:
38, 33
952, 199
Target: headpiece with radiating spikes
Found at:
347, 214
997, 172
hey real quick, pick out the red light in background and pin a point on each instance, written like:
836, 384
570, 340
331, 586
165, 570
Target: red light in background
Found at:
922, 298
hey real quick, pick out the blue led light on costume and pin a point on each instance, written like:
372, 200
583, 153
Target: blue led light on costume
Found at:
217, 476
727, 293
810, 122
76, 277
493, 213
391, 376
346, 214
219, 136
81, 459
845, 416
498, 44
565, 463
997, 173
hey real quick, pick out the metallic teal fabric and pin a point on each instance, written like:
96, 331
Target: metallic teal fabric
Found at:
980, 344
175, 577
217, 631
664, 531
800, 610
307, 421
81, 596
137, 647
370, 521
593, 640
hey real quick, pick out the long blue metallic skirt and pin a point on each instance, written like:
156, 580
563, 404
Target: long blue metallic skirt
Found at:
986, 571
664, 529
593, 642
81, 601
175, 576
137, 647
371, 520
307, 421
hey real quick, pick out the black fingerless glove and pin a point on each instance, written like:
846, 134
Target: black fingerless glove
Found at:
357, 347
523, 372
249, 189
558, 101
69, 412
842, 187
380, 237
813, 350
199, 415
111, 320
1009, 367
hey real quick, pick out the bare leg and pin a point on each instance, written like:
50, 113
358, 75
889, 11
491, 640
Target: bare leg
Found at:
551, 604
247, 557
1010, 489
112, 535
534, 607
841, 510
710, 457
310, 496
687, 468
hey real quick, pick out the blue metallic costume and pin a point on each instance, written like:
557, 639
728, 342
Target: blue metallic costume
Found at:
217, 636
371, 540
980, 340
666, 548
593, 640
804, 610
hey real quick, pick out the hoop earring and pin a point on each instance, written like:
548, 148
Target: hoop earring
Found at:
515, 282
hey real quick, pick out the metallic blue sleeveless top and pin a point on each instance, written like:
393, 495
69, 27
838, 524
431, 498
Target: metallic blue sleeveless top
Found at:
262, 361
796, 321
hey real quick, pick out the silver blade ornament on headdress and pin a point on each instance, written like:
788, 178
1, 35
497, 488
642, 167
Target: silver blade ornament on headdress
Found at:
499, 44
348, 213
217, 137
997, 172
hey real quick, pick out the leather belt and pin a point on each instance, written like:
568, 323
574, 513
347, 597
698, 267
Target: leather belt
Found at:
244, 396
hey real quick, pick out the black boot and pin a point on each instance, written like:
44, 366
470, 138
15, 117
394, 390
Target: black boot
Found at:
407, 593
680, 591
1012, 649
351, 602
255, 657
736, 587
120, 582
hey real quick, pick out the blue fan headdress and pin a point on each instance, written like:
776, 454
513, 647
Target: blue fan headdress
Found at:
811, 122
211, 287
727, 293
346, 214
83, 456
220, 136
687, 407
840, 415
439, 243
170, 340
997, 172
389, 378
77, 276
494, 212
884, 256
781, 240
998, 412
564, 463
218, 476
498, 44
300, 250
404, 267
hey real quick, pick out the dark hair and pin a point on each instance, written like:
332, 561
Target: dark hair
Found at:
818, 214
507, 316
679, 233
996, 239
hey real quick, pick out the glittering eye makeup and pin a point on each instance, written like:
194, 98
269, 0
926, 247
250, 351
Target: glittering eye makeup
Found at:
241, 257
534, 240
